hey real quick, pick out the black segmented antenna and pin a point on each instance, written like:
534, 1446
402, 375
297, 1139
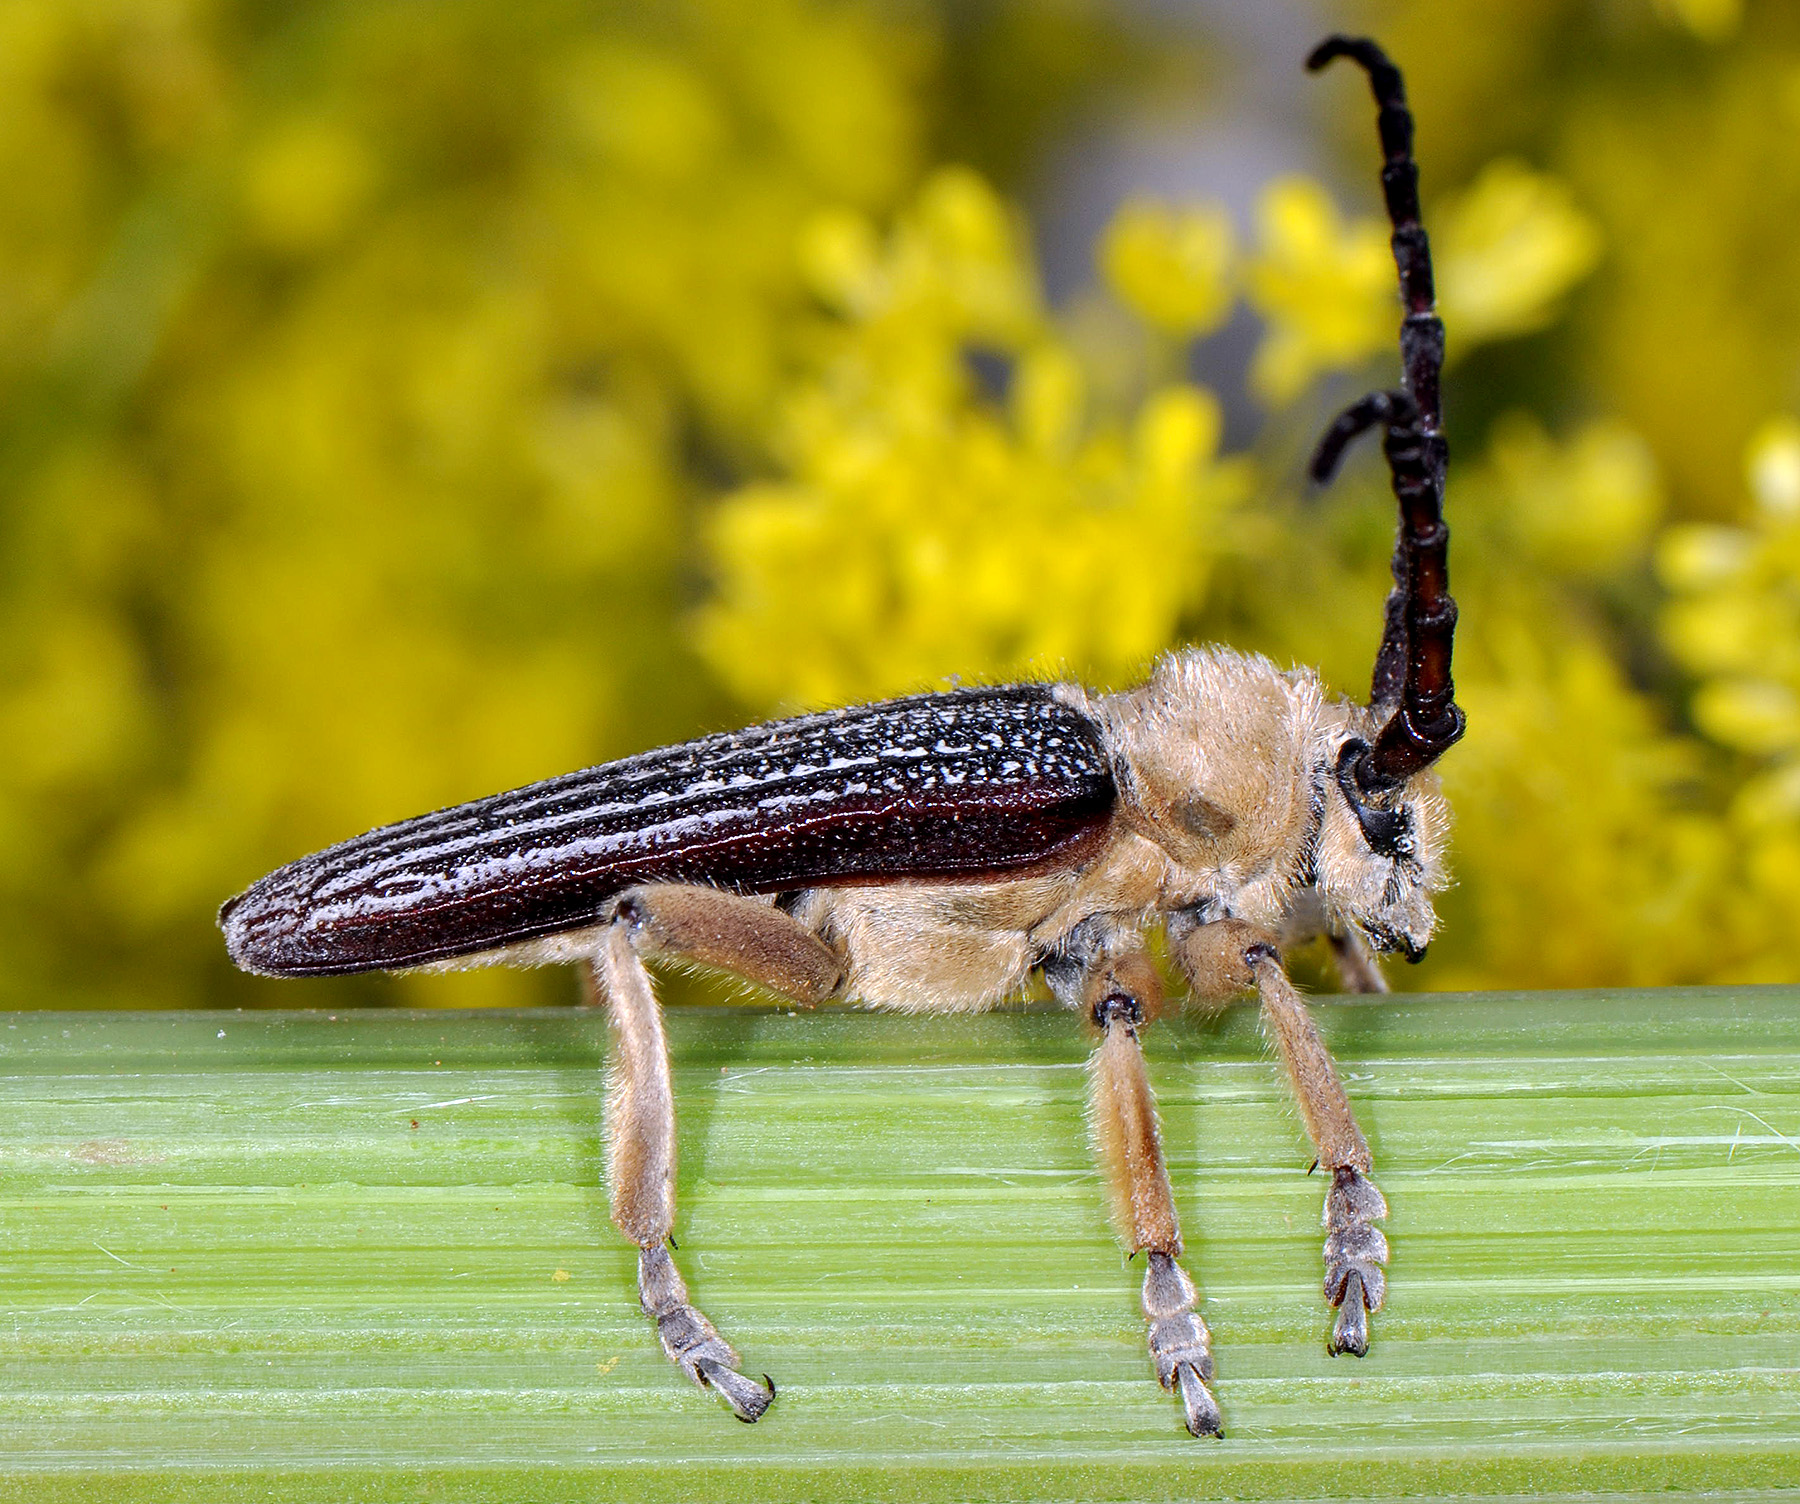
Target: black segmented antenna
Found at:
1412, 670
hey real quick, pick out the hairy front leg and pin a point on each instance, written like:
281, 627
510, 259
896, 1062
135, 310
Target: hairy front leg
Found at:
1228, 956
721, 930
1119, 992
1355, 1249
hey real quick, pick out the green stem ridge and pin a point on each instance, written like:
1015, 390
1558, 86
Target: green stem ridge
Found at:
306, 1256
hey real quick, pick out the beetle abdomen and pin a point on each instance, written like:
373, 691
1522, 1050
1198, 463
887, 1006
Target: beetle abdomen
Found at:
972, 782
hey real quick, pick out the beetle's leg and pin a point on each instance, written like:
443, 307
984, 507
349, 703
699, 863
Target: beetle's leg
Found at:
1355, 1248
640, 1151
716, 929
1120, 992
1226, 956
1211, 954
755, 941
1306, 921
1357, 967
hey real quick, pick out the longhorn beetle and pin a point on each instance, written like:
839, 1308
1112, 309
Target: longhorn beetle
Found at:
931, 853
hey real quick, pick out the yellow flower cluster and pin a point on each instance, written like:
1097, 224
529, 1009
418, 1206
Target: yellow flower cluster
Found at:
1735, 623
397, 407
1553, 787
1507, 249
1733, 620
928, 527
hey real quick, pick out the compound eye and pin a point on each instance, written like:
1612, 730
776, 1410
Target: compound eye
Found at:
1388, 831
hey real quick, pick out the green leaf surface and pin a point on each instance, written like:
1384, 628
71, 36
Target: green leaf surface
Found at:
366, 1256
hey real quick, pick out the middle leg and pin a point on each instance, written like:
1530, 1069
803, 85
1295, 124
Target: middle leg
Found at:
1118, 990
1306, 921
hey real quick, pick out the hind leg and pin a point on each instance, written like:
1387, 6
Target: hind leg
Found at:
717, 929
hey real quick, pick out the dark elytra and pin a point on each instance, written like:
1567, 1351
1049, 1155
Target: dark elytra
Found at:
962, 784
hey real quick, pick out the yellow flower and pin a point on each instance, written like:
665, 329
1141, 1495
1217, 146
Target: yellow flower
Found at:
957, 258
839, 257
1772, 467
1172, 267
1326, 288
1581, 508
1735, 619
1506, 249
1711, 20
1698, 556
1750, 714
304, 183
642, 109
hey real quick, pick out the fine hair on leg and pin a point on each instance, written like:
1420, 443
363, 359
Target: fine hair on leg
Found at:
748, 939
1118, 990
640, 1151
1355, 1249
640, 1098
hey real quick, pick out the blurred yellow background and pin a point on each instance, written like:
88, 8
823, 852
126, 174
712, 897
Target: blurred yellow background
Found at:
401, 402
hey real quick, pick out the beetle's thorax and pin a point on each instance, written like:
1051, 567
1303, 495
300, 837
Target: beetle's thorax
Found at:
1229, 800
1217, 757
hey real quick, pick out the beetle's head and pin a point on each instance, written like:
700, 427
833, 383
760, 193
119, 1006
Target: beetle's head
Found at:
1380, 853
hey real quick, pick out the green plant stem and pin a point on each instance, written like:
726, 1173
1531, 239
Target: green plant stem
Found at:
367, 1256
